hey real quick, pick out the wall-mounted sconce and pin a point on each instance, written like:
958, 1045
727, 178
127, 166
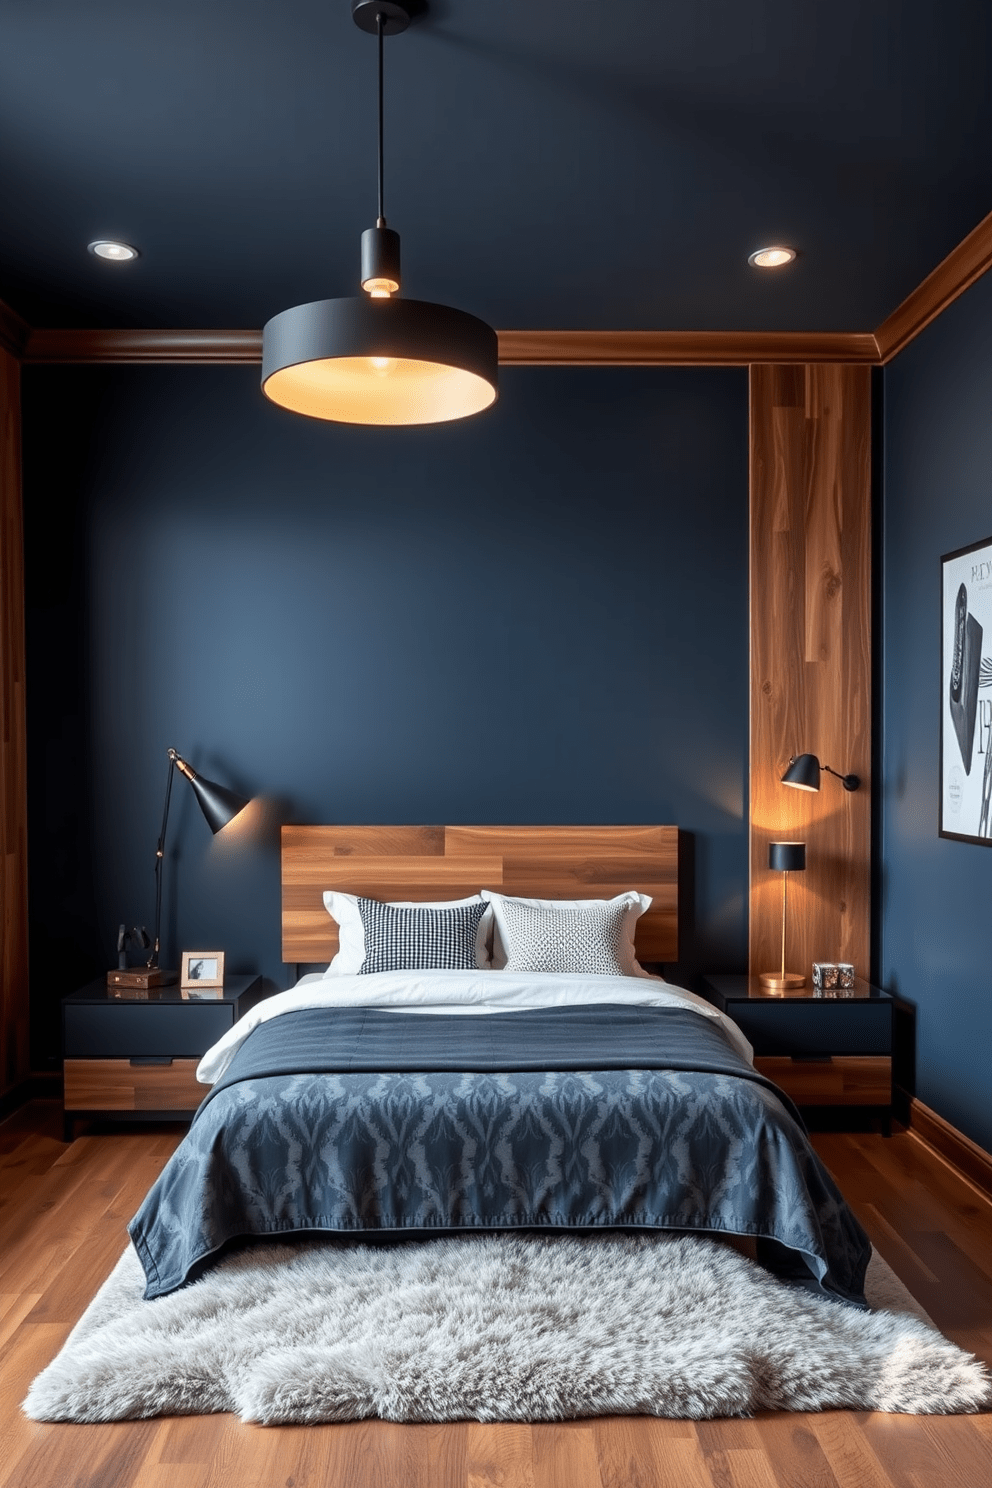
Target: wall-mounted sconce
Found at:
804, 774
785, 858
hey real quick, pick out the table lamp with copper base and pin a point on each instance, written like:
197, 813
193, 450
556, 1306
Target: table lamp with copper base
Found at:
784, 858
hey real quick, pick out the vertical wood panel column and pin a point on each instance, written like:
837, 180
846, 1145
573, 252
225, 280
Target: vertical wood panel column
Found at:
810, 579
14, 1009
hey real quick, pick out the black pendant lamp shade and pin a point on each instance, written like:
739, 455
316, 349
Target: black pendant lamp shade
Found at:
379, 361
376, 358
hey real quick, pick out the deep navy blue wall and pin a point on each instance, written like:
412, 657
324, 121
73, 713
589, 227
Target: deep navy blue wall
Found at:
936, 894
537, 616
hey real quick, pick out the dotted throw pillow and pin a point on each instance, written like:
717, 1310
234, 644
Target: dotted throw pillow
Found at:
583, 941
418, 939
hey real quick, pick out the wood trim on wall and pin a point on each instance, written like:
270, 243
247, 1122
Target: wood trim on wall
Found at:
953, 1146
810, 580
14, 1004
145, 347
679, 348
516, 348
14, 331
960, 269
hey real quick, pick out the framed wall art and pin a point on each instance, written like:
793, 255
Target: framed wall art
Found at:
966, 694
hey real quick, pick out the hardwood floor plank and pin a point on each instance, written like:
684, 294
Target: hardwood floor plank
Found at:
161, 1475
930, 1452
35, 1118
83, 1456
565, 1455
30, 1350
794, 1453
499, 1455
178, 1444
848, 1452
749, 1469
31, 1158
626, 1448
679, 1460
14, 1308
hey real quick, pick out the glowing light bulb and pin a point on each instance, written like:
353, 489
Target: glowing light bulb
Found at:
380, 289
381, 364
116, 252
772, 258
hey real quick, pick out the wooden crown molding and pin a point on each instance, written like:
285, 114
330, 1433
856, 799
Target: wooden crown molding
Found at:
516, 348
958, 272
680, 348
180, 346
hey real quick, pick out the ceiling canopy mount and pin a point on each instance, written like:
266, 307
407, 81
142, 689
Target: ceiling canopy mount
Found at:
395, 18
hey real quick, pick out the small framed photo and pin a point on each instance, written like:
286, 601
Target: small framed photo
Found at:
202, 969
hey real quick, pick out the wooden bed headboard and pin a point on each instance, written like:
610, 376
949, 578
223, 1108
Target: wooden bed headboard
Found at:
451, 862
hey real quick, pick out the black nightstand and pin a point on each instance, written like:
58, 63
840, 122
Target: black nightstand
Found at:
132, 1056
823, 1049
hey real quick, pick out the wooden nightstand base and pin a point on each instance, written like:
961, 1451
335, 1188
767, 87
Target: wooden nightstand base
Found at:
132, 1085
853, 1080
104, 1087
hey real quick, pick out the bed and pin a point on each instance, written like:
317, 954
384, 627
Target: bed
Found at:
562, 1089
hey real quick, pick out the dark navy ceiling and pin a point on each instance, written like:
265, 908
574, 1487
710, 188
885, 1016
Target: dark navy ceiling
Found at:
604, 163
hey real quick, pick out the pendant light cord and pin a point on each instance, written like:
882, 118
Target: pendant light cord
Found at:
379, 20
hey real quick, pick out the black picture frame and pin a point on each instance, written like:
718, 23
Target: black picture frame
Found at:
966, 694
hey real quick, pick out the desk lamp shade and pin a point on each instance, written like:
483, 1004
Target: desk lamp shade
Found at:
784, 858
219, 805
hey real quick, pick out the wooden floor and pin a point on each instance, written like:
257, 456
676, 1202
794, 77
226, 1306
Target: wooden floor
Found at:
62, 1217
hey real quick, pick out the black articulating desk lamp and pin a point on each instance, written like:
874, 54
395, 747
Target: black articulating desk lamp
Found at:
220, 806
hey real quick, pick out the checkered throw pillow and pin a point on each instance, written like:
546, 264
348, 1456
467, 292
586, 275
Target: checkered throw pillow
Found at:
418, 939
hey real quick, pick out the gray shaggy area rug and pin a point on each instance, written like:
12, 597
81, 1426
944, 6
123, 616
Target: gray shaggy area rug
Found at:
494, 1328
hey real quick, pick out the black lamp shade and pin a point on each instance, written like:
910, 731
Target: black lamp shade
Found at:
803, 773
379, 361
218, 804
787, 857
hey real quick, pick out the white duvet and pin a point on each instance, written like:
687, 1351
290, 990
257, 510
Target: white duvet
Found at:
470, 992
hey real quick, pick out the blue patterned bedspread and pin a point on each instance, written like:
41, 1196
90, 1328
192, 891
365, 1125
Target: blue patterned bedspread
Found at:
374, 1124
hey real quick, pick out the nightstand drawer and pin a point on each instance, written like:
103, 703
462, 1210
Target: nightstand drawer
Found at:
831, 1082
119, 1085
815, 1028
180, 1030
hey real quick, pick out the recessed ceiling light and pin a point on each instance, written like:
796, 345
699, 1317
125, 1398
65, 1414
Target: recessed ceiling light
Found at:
116, 252
772, 258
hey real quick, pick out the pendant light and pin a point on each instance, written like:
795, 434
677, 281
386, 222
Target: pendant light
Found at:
377, 358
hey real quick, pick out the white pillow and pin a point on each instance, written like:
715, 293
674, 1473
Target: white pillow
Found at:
351, 935
628, 964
